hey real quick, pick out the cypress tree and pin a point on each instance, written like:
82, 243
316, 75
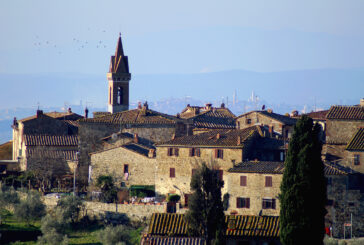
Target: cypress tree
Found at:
303, 188
206, 213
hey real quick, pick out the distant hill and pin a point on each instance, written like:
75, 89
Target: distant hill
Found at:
323, 86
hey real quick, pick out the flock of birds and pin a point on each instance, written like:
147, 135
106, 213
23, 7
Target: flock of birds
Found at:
79, 44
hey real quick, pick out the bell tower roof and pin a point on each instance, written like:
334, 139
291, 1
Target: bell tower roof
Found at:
119, 62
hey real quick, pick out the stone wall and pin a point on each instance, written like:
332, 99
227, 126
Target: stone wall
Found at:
142, 169
341, 131
184, 164
345, 199
337, 153
255, 190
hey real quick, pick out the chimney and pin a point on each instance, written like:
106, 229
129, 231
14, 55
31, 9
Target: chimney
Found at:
362, 102
294, 113
144, 109
196, 111
218, 136
39, 113
15, 122
139, 105
173, 136
178, 115
238, 141
223, 105
208, 106
188, 105
269, 110
136, 139
86, 112
151, 153
69, 110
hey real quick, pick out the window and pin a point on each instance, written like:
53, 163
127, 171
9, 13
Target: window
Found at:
120, 95
242, 180
248, 121
172, 172
126, 168
195, 152
219, 153
268, 181
172, 152
269, 203
281, 156
356, 159
242, 202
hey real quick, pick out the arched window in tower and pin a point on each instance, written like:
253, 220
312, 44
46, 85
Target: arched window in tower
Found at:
120, 95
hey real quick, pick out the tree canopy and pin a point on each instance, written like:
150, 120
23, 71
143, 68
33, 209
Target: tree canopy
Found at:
206, 213
303, 187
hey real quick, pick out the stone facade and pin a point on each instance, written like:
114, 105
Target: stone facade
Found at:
256, 190
141, 169
280, 124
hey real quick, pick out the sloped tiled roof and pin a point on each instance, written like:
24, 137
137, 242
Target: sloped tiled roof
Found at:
357, 142
43, 153
138, 148
346, 113
135, 116
222, 137
214, 119
281, 118
259, 167
189, 111
50, 140
162, 240
118, 135
266, 167
163, 224
72, 123
318, 115
56, 115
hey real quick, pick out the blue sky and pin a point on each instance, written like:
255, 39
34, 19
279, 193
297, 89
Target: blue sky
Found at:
188, 36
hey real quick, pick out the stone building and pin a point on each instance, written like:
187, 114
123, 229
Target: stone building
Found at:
209, 118
128, 159
344, 136
280, 124
254, 187
177, 158
149, 125
50, 135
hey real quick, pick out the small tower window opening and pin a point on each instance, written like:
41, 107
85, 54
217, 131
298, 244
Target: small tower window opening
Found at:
120, 95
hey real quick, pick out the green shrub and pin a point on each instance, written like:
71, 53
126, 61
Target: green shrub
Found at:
115, 235
174, 198
54, 226
30, 209
71, 207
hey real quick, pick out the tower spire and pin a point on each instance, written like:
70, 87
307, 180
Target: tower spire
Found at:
119, 48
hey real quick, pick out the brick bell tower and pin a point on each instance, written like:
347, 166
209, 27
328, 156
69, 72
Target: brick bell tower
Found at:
118, 77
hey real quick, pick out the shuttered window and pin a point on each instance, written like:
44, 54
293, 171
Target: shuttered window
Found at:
268, 181
172, 172
242, 202
219, 153
242, 180
269, 203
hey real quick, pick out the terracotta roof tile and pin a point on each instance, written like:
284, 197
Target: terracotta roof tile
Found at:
138, 148
259, 167
43, 153
265, 167
135, 116
190, 111
56, 115
161, 240
221, 137
50, 140
163, 224
318, 115
214, 119
346, 112
357, 142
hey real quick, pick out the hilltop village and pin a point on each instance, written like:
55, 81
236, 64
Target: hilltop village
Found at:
143, 148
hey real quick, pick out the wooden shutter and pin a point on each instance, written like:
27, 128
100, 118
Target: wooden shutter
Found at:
191, 152
176, 151
242, 180
247, 203
198, 152
274, 203
172, 172
216, 153
264, 204
238, 202
268, 181
222, 154
169, 152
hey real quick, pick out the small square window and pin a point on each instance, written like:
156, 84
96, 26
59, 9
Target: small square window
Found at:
219, 153
268, 181
269, 203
